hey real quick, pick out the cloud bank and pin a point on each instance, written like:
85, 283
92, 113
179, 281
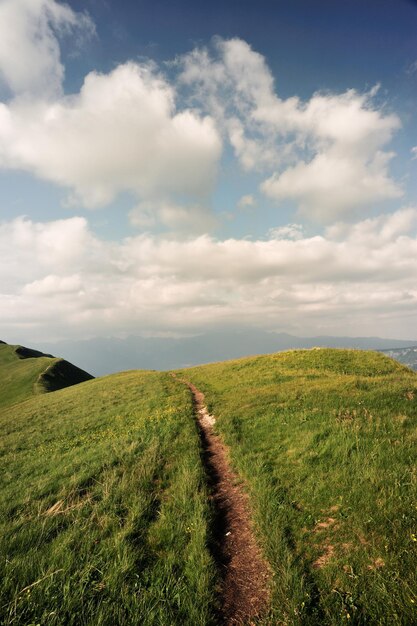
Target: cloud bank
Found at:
160, 135
356, 275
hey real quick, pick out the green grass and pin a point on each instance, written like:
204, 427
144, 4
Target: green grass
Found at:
104, 509
324, 435
21, 378
18, 376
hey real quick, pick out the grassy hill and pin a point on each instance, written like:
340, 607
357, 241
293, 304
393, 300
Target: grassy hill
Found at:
105, 510
25, 372
325, 441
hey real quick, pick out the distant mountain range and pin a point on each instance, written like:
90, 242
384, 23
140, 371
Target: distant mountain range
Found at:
102, 356
407, 356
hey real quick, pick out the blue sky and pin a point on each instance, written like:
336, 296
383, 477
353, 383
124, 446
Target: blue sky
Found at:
170, 167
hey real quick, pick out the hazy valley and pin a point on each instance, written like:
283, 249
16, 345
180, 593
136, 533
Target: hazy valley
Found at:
103, 355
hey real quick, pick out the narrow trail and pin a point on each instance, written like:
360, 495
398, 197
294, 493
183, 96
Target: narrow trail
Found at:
245, 574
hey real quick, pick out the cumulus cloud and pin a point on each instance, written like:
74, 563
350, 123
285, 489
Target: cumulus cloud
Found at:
125, 131
53, 286
121, 132
350, 275
326, 153
333, 183
130, 131
161, 140
29, 47
59, 244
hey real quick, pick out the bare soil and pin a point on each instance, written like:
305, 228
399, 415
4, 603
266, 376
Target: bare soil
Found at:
245, 574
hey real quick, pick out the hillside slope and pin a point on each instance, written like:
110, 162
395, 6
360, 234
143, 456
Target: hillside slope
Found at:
325, 441
25, 372
107, 515
103, 507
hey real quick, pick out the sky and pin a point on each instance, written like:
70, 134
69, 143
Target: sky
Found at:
168, 168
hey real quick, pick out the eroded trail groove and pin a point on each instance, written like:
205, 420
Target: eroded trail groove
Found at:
245, 573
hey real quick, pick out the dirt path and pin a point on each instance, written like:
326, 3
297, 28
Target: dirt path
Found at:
245, 574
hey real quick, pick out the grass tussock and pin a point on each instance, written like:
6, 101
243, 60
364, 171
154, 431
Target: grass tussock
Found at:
325, 441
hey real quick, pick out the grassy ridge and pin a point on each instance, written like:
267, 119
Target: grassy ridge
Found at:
326, 443
104, 508
18, 376
59, 375
25, 372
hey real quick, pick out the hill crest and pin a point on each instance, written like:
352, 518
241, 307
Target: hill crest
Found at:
25, 372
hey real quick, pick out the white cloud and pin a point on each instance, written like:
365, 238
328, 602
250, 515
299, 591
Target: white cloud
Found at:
290, 231
86, 286
325, 153
333, 183
126, 131
53, 285
179, 218
412, 68
120, 133
29, 48
55, 245
414, 153
375, 232
246, 202
130, 131
123, 131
